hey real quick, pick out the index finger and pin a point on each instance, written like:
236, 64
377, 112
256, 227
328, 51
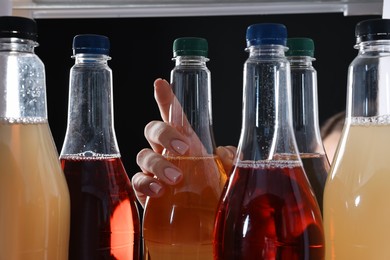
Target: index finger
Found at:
164, 97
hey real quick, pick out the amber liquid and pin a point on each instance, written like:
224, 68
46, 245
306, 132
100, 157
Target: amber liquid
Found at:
34, 197
179, 225
317, 168
104, 216
268, 212
356, 198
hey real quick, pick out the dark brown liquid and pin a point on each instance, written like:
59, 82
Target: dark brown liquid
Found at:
268, 212
317, 168
105, 223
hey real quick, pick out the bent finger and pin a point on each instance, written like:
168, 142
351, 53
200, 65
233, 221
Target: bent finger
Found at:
146, 186
158, 166
161, 135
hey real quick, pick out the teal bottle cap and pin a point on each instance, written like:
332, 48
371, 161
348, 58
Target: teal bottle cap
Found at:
190, 46
300, 47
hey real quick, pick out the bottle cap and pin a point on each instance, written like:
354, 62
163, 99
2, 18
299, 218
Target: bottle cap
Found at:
91, 43
190, 46
266, 33
372, 29
19, 27
300, 47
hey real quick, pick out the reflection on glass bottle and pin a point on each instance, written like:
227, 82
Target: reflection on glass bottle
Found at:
268, 210
305, 113
105, 220
356, 197
179, 225
34, 197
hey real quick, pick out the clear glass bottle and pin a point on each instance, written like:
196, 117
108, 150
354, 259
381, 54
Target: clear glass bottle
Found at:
34, 197
105, 221
268, 209
179, 225
356, 197
300, 54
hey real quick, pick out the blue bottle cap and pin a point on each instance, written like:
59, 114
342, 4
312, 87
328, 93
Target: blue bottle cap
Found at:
300, 47
266, 33
91, 43
19, 27
372, 29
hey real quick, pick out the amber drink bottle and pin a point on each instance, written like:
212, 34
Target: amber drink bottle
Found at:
179, 225
356, 197
34, 197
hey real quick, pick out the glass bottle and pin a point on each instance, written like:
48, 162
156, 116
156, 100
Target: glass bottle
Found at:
179, 225
268, 209
356, 197
34, 197
105, 221
300, 54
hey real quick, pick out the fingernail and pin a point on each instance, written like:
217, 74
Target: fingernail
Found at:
172, 174
155, 187
179, 146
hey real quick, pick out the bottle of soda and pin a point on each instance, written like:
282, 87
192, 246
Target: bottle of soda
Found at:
300, 54
105, 221
179, 225
356, 212
268, 209
34, 197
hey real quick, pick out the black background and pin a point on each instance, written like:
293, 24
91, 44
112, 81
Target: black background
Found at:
141, 51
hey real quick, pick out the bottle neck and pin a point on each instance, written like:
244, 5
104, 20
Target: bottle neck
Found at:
267, 50
267, 132
300, 61
90, 128
23, 86
191, 111
380, 46
305, 105
17, 44
94, 59
368, 101
190, 61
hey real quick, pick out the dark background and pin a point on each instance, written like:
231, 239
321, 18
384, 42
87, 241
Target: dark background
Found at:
141, 51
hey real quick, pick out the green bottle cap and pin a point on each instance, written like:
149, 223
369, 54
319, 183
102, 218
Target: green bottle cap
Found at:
190, 46
300, 47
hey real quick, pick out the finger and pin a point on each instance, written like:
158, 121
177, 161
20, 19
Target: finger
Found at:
159, 166
226, 153
167, 102
164, 97
145, 185
232, 150
161, 135
171, 111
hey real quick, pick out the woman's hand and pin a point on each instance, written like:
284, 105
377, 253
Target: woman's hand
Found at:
156, 171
